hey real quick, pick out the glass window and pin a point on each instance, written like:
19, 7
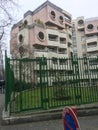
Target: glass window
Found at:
83, 38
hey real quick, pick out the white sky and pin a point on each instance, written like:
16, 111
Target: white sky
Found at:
86, 8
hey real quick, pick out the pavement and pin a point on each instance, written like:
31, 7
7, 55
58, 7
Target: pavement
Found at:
50, 120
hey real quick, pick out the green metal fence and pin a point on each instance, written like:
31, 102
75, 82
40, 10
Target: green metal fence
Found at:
42, 83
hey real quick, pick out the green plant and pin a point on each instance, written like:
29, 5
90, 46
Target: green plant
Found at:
61, 92
38, 21
23, 85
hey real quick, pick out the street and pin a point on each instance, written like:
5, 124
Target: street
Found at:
86, 123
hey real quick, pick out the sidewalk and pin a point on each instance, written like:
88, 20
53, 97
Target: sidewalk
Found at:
82, 110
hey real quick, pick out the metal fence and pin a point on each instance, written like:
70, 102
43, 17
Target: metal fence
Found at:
41, 83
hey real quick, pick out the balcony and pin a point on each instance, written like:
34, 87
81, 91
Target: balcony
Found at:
62, 34
52, 53
40, 53
92, 39
70, 49
67, 22
92, 48
53, 31
62, 45
63, 55
70, 32
80, 28
53, 42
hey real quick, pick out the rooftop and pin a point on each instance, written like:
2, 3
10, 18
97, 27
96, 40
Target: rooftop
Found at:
91, 19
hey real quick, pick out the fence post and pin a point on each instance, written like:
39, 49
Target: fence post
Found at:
20, 75
6, 81
40, 61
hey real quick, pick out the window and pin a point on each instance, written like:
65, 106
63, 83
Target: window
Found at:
84, 46
93, 44
63, 62
69, 36
52, 37
74, 40
81, 22
73, 33
84, 55
90, 26
75, 49
25, 22
62, 51
61, 19
52, 15
73, 25
21, 38
54, 60
82, 38
62, 40
41, 36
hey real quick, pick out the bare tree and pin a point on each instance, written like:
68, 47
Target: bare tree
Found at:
7, 16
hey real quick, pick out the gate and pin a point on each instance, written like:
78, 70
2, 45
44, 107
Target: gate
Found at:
42, 83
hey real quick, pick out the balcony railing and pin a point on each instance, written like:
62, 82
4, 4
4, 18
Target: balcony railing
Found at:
67, 20
90, 46
62, 52
91, 37
52, 50
40, 50
63, 42
50, 39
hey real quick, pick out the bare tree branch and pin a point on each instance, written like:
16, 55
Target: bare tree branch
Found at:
2, 33
7, 12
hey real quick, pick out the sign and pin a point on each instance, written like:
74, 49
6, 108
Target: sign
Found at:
70, 120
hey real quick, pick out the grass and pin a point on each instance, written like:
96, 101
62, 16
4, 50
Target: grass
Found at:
47, 97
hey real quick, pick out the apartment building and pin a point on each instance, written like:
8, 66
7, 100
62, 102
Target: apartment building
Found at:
46, 31
85, 37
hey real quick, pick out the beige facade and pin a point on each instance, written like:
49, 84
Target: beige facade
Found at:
44, 32
85, 37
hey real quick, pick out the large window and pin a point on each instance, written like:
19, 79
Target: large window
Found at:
62, 40
61, 19
82, 38
41, 36
20, 38
54, 60
90, 26
52, 15
80, 22
52, 37
62, 51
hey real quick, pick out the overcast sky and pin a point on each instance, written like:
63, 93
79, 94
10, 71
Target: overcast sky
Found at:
86, 8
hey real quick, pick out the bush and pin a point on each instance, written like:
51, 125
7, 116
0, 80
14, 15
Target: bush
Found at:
24, 85
61, 93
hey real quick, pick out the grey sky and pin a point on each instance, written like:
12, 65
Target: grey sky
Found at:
86, 8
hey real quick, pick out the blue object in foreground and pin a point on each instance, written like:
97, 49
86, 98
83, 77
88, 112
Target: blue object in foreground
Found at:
70, 120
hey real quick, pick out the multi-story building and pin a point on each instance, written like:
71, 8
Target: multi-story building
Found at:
85, 37
44, 32
48, 32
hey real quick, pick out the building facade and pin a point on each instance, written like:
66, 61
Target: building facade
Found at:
85, 37
47, 31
